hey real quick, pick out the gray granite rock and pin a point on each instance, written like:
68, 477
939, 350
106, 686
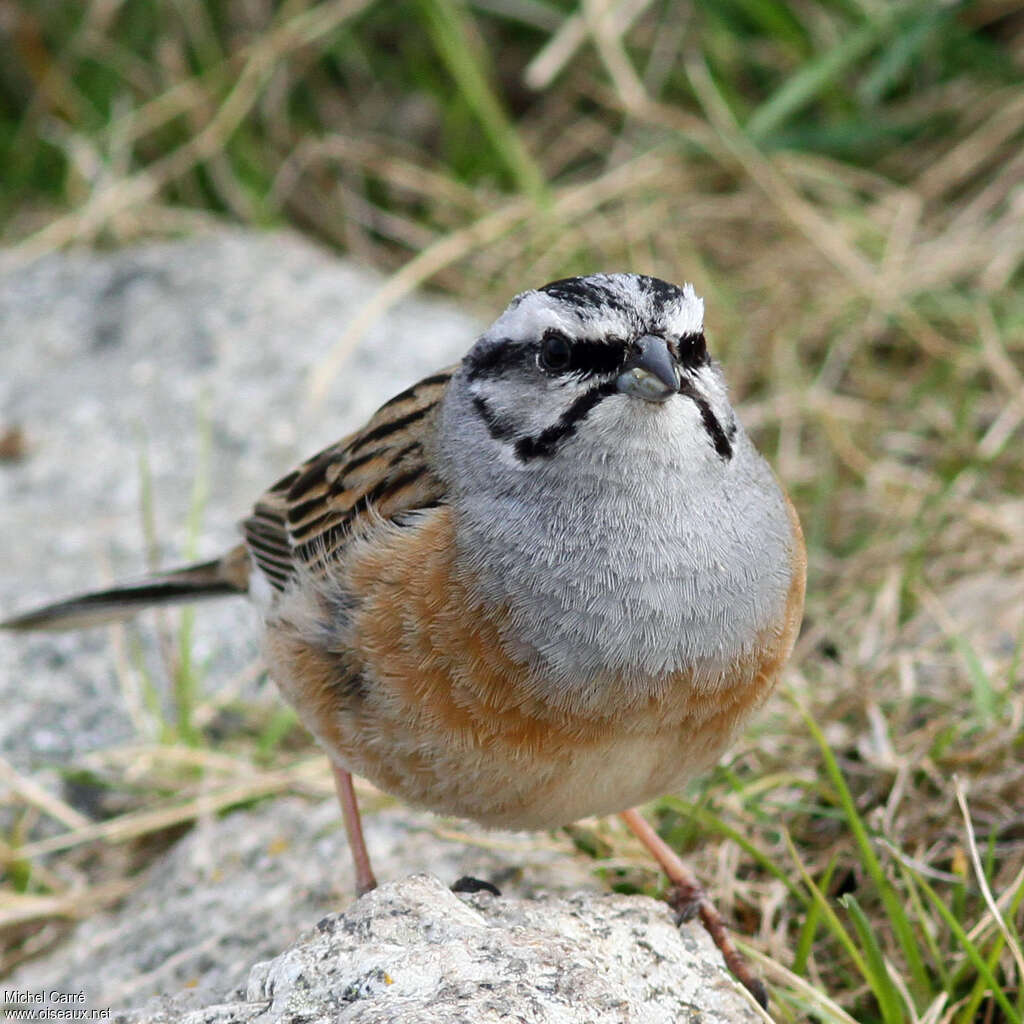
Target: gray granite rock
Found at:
413, 953
243, 887
106, 356
235, 924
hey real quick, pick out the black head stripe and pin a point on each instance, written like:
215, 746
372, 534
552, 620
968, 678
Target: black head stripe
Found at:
586, 293
594, 291
663, 291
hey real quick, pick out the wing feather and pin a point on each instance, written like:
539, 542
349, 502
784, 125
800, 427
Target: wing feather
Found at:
382, 471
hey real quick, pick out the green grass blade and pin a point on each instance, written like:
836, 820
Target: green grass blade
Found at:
938, 959
147, 687
446, 24
186, 681
778, 22
901, 924
282, 722
712, 822
885, 992
147, 507
831, 918
803, 87
970, 1010
809, 929
986, 700
985, 972
894, 61
1010, 917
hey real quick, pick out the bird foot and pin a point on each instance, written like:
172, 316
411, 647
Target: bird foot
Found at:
690, 901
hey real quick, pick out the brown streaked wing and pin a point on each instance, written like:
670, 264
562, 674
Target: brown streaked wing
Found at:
305, 519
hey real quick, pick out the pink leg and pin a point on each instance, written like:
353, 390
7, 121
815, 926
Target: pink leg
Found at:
688, 899
354, 828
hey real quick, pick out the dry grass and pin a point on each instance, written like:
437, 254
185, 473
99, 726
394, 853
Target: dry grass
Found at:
845, 187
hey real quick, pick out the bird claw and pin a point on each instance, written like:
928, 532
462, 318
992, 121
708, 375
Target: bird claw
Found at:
685, 901
690, 902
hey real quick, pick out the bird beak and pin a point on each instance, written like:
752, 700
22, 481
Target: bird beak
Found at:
651, 373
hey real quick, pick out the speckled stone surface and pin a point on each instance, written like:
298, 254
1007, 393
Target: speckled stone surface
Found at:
413, 952
106, 357
242, 888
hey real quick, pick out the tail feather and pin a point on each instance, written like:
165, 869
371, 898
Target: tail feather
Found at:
219, 578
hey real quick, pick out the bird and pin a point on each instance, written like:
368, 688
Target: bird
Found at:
547, 583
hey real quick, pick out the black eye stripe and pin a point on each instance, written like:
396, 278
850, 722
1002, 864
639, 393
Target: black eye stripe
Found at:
595, 358
589, 357
549, 440
494, 361
693, 350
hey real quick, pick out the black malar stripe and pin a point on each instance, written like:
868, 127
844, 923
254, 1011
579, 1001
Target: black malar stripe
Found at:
547, 442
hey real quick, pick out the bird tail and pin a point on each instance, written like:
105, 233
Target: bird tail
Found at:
219, 578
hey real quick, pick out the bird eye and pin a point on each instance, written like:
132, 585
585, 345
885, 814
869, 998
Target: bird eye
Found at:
555, 352
693, 350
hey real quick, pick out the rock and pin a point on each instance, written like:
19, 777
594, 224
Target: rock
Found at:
222, 929
412, 951
109, 357
242, 887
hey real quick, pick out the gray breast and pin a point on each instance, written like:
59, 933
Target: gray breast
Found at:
625, 567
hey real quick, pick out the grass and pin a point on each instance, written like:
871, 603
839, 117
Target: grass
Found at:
178, 662
842, 180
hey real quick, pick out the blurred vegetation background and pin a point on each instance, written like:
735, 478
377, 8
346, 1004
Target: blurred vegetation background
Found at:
843, 180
